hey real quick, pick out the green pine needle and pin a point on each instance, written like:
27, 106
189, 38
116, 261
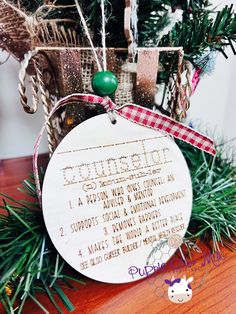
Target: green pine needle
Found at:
214, 196
28, 260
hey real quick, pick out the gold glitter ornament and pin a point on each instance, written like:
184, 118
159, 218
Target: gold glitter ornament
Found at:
9, 289
69, 121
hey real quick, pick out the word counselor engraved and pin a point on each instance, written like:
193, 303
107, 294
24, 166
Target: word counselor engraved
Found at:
110, 192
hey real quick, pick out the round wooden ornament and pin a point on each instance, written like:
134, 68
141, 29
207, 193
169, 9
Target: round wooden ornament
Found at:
112, 195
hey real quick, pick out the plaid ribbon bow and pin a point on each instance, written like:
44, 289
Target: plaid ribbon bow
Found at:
136, 114
147, 118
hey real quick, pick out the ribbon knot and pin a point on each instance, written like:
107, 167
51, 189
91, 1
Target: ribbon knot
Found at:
109, 106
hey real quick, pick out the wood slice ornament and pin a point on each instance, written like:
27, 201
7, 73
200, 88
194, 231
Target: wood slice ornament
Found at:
110, 192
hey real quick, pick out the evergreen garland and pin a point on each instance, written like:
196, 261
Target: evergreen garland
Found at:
214, 195
29, 263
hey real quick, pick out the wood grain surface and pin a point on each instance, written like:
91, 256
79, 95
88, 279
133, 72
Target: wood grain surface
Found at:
213, 287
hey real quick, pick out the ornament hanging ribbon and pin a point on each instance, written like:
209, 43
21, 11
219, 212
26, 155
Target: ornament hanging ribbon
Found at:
133, 113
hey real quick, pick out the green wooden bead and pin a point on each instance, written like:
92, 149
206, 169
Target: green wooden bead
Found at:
104, 83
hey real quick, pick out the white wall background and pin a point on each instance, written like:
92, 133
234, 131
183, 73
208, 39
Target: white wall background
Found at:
213, 105
18, 130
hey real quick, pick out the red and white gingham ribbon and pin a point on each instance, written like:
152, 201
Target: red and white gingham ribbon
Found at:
136, 114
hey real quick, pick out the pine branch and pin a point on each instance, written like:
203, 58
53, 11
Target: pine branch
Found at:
214, 194
28, 260
198, 36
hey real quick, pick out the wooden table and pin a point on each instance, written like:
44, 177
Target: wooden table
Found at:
213, 287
